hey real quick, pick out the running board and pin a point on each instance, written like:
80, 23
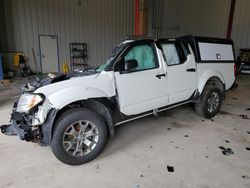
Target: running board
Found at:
154, 112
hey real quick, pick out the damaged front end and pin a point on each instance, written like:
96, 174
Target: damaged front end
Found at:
33, 115
31, 118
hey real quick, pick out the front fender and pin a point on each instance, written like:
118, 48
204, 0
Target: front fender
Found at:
206, 76
68, 95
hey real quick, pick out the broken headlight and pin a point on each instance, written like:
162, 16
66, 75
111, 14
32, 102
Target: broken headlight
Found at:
28, 101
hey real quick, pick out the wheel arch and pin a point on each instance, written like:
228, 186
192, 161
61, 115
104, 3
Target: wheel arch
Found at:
214, 81
211, 77
101, 106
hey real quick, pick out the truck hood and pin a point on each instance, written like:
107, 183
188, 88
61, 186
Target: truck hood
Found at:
79, 88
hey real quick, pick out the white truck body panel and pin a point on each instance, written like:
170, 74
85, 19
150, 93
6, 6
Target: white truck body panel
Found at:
224, 71
181, 84
63, 93
142, 91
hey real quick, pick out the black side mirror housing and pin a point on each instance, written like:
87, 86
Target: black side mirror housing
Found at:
129, 65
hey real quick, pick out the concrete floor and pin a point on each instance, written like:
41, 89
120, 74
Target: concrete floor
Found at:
140, 152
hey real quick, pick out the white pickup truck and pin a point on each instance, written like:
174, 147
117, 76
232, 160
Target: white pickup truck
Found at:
76, 113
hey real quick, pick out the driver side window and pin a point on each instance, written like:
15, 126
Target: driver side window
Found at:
144, 55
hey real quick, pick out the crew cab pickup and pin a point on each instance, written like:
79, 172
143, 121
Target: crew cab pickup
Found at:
76, 113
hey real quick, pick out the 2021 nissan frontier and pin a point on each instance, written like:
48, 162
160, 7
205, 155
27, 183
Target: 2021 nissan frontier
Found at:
76, 113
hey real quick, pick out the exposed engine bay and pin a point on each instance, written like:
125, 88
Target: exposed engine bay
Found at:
54, 78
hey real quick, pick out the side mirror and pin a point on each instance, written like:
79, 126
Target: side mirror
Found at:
129, 65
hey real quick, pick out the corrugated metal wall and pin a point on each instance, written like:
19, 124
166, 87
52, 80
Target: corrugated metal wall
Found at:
241, 24
99, 23
173, 18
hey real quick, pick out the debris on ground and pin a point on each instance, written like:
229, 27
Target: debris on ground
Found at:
248, 132
206, 156
226, 151
243, 116
248, 148
234, 98
247, 108
170, 168
177, 147
142, 176
151, 147
235, 129
148, 166
186, 135
227, 141
5, 82
97, 167
245, 177
202, 120
169, 128
212, 120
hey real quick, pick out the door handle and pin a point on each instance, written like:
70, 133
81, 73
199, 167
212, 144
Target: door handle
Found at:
191, 70
160, 75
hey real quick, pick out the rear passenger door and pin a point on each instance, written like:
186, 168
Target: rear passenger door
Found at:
181, 70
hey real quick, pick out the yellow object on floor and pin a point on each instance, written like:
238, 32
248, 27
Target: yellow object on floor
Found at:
65, 68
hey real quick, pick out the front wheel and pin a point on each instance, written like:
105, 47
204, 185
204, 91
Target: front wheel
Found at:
79, 136
210, 102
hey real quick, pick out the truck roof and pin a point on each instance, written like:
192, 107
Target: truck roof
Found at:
194, 42
187, 38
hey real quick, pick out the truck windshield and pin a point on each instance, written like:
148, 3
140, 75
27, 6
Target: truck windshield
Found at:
115, 52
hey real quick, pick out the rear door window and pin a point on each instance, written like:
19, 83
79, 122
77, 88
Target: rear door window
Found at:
174, 53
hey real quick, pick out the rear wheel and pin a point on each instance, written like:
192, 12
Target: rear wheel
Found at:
80, 136
210, 102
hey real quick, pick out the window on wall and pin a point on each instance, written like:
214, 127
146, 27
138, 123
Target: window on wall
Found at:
144, 55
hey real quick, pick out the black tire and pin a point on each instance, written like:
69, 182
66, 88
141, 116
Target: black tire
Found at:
202, 107
63, 123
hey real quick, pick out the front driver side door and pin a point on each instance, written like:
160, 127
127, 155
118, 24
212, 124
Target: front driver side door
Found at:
145, 87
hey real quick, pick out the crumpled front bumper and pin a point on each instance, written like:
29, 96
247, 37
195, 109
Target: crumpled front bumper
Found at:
20, 126
13, 129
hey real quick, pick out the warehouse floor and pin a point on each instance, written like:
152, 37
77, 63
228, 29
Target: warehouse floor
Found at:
140, 152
